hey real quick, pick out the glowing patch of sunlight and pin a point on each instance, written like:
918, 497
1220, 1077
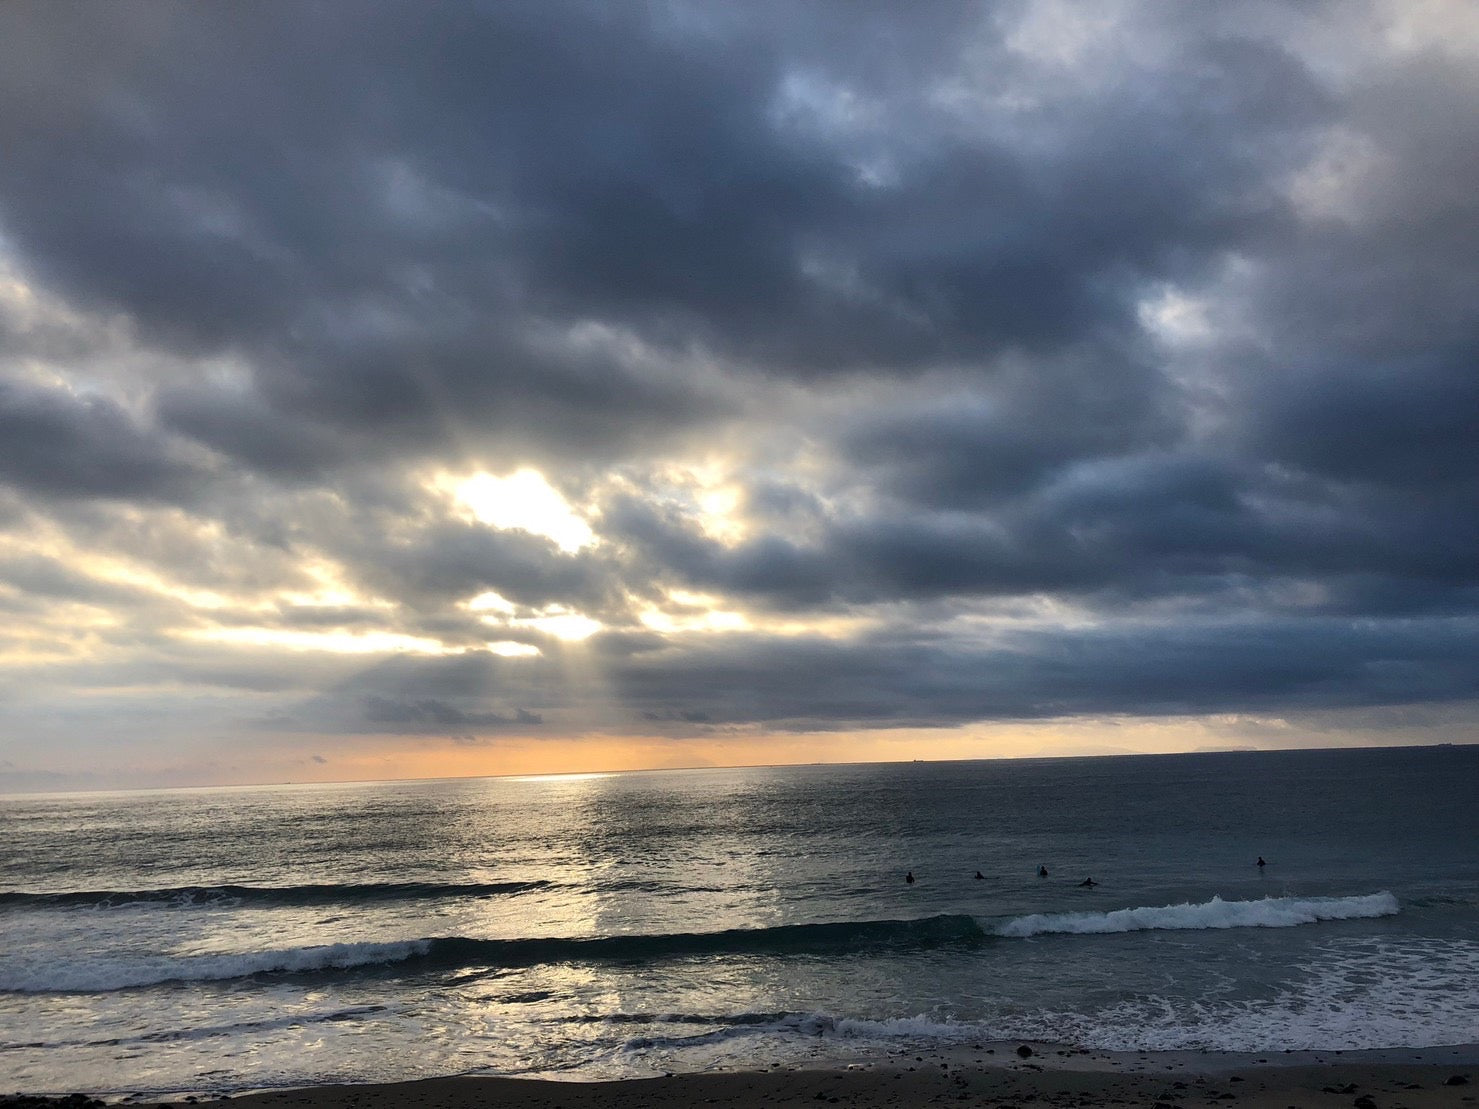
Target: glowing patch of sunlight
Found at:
26, 655
660, 621
522, 500
573, 626
707, 484
707, 493
122, 573
332, 590
342, 643
703, 614
719, 520
328, 598
556, 620
838, 628
574, 776
489, 602
507, 648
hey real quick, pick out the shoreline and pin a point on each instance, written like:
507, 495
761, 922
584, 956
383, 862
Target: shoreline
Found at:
995, 1075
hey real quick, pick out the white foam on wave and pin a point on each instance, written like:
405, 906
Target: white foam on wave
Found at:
1269, 912
1351, 994
918, 1027
1355, 994
120, 973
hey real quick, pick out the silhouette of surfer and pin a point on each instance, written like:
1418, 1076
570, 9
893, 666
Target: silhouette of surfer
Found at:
979, 874
1089, 882
909, 878
1042, 872
1261, 863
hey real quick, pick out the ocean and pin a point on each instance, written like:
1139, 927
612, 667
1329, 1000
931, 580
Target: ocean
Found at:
610, 925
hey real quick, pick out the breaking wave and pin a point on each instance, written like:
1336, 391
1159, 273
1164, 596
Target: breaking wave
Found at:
106, 973
1269, 912
462, 951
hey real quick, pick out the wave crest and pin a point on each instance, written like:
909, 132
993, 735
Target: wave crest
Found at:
458, 952
464, 951
103, 975
1268, 912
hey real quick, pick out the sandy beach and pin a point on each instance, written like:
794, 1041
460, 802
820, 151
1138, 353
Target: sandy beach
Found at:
1384, 1086
996, 1077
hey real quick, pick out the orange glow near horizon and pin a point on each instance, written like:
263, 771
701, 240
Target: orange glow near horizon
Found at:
381, 758
323, 759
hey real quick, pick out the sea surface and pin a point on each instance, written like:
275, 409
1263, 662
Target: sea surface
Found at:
168, 942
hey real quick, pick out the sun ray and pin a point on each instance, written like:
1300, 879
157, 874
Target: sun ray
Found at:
523, 500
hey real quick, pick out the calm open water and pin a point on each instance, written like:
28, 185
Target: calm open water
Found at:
219, 940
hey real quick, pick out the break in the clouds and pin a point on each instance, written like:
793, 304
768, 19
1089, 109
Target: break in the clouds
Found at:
410, 383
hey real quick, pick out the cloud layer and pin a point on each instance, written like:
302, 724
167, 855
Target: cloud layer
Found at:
928, 370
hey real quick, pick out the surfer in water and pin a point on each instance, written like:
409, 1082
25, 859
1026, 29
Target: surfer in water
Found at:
909, 878
979, 875
1089, 883
1042, 872
1261, 863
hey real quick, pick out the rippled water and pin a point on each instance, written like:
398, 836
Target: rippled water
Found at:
617, 924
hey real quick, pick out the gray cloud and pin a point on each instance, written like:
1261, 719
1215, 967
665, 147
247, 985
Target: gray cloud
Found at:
54, 444
450, 561
430, 714
1160, 326
912, 679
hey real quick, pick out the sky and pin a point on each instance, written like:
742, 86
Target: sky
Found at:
414, 389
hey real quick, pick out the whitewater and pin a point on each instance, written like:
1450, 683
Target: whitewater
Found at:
99, 976
213, 941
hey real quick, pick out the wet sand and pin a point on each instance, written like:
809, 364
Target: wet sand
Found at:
997, 1077
1384, 1086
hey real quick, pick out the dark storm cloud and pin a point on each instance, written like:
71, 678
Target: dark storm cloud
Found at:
203, 666
923, 680
456, 696
511, 163
281, 445
1109, 531
1159, 317
55, 444
427, 713
1365, 369
543, 392
1410, 423
972, 448
451, 561
919, 678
